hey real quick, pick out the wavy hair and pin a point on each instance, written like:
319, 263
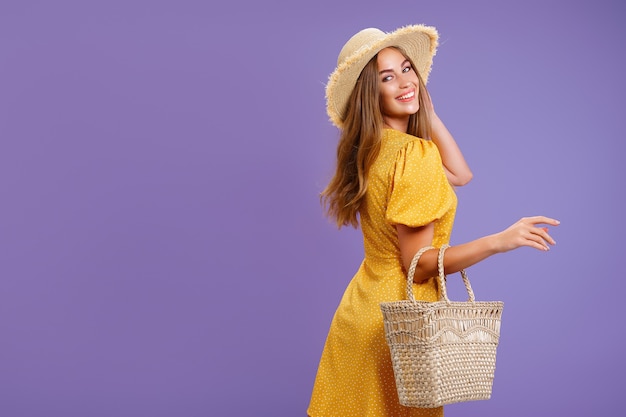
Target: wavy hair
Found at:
359, 144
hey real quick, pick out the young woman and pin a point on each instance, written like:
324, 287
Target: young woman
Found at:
396, 168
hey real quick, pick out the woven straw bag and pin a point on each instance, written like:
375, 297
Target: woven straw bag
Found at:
442, 352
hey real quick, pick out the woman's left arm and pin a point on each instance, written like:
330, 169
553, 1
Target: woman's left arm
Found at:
457, 170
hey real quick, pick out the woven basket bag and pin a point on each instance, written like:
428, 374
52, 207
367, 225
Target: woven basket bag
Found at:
442, 352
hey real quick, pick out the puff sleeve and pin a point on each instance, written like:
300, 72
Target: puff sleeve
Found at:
419, 192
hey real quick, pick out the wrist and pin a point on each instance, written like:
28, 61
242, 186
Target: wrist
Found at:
492, 244
434, 119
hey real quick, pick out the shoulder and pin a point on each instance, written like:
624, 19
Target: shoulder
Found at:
398, 149
399, 141
401, 146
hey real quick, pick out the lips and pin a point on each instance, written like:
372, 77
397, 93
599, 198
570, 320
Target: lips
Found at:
407, 96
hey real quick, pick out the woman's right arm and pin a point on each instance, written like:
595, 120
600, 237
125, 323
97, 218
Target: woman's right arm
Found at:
525, 232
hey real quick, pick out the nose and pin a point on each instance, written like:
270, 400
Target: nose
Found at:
405, 80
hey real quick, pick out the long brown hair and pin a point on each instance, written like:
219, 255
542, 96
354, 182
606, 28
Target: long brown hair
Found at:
359, 144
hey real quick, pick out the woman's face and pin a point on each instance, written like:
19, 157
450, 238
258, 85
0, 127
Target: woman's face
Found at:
399, 88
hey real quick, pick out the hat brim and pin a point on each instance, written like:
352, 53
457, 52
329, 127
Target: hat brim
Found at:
419, 42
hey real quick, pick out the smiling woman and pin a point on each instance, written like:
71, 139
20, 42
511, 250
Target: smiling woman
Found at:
396, 168
399, 88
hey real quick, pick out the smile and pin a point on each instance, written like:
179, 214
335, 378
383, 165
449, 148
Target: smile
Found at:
407, 96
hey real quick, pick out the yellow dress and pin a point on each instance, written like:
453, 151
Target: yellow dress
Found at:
407, 185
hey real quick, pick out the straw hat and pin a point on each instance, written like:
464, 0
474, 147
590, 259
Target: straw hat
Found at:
417, 41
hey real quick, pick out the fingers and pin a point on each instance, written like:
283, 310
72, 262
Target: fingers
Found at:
540, 238
541, 220
533, 235
546, 236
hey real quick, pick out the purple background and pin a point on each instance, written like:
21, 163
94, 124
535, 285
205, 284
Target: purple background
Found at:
162, 247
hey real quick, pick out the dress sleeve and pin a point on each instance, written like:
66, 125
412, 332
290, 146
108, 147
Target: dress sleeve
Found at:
419, 192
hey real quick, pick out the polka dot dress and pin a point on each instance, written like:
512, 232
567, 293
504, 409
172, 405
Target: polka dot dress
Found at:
407, 185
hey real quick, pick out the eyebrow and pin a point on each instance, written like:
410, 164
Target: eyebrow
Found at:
406, 61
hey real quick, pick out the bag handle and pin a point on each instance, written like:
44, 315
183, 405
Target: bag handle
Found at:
410, 275
441, 278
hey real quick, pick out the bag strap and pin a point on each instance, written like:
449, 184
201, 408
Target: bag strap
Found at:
441, 279
410, 275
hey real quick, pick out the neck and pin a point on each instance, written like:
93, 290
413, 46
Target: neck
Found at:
401, 125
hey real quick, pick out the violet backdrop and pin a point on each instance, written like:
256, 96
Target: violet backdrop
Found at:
162, 247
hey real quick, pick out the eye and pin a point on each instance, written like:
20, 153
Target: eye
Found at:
387, 78
407, 69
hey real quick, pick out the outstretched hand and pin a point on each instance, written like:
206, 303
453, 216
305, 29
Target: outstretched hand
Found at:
526, 232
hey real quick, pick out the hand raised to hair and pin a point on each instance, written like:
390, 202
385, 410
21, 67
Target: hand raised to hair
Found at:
526, 232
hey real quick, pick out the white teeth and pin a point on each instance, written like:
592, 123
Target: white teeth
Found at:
408, 95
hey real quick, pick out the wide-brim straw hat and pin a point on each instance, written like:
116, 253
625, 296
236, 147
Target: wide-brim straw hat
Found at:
418, 42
